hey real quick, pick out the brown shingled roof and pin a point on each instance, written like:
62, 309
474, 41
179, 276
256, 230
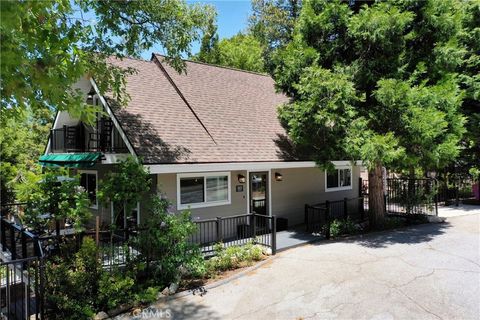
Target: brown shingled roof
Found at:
209, 114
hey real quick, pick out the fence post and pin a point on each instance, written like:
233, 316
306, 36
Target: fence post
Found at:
306, 216
384, 202
345, 208
57, 230
254, 227
327, 219
219, 229
457, 197
360, 186
13, 246
274, 235
36, 246
41, 293
3, 230
24, 245
361, 203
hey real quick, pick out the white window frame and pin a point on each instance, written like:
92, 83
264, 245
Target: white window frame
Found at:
337, 168
95, 205
204, 204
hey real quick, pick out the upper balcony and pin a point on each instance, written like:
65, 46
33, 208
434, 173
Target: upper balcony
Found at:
102, 137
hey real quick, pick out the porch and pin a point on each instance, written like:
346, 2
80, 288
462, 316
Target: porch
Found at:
296, 236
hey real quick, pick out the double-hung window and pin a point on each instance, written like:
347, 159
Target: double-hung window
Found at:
88, 180
198, 190
338, 179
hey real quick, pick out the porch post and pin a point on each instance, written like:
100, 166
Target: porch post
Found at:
345, 208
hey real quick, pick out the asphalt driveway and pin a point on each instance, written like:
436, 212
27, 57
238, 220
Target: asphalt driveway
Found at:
424, 272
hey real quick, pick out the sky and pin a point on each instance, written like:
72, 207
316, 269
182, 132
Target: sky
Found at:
232, 17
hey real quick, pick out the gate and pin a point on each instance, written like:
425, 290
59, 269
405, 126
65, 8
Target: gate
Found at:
21, 293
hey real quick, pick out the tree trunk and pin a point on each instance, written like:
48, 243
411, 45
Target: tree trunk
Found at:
376, 201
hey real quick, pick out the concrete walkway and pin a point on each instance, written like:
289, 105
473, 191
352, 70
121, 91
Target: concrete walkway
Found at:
461, 210
423, 272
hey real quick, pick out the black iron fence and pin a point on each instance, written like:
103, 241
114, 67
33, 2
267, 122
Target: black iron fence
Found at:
22, 289
236, 230
318, 217
18, 242
404, 196
411, 196
454, 190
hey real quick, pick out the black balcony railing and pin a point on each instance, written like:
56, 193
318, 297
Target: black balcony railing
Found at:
104, 137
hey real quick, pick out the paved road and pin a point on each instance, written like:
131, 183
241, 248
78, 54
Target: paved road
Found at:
424, 272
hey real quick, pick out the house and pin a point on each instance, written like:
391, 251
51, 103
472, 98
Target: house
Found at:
211, 139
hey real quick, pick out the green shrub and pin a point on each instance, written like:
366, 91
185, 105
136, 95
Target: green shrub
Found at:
115, 289
71, 285
233, 257
340, 227
148, 295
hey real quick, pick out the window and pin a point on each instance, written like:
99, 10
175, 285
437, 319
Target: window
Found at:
88, 180
192, 190
340, 179
203, 190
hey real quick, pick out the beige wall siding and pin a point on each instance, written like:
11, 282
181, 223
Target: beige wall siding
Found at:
167, 186
299, 187
304, 186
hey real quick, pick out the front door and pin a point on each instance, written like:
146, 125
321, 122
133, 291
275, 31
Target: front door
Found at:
259, 192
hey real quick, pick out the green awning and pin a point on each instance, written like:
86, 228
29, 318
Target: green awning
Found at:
70, 160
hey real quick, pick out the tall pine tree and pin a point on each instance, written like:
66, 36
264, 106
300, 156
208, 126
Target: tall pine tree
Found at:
375, 82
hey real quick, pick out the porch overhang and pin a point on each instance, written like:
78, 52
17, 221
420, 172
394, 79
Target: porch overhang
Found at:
70, 160
234, 166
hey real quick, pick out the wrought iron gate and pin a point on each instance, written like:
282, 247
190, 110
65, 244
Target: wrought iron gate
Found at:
21, 292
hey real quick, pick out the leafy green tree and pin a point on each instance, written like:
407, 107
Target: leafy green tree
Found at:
209, 52
48, 45
165, 247
375, 82
469, 160
22, 141
242, 51
56, 194
124, 187
272, 23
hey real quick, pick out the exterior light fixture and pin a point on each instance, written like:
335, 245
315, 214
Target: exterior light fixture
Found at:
278, 176
241, 178
90, 97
